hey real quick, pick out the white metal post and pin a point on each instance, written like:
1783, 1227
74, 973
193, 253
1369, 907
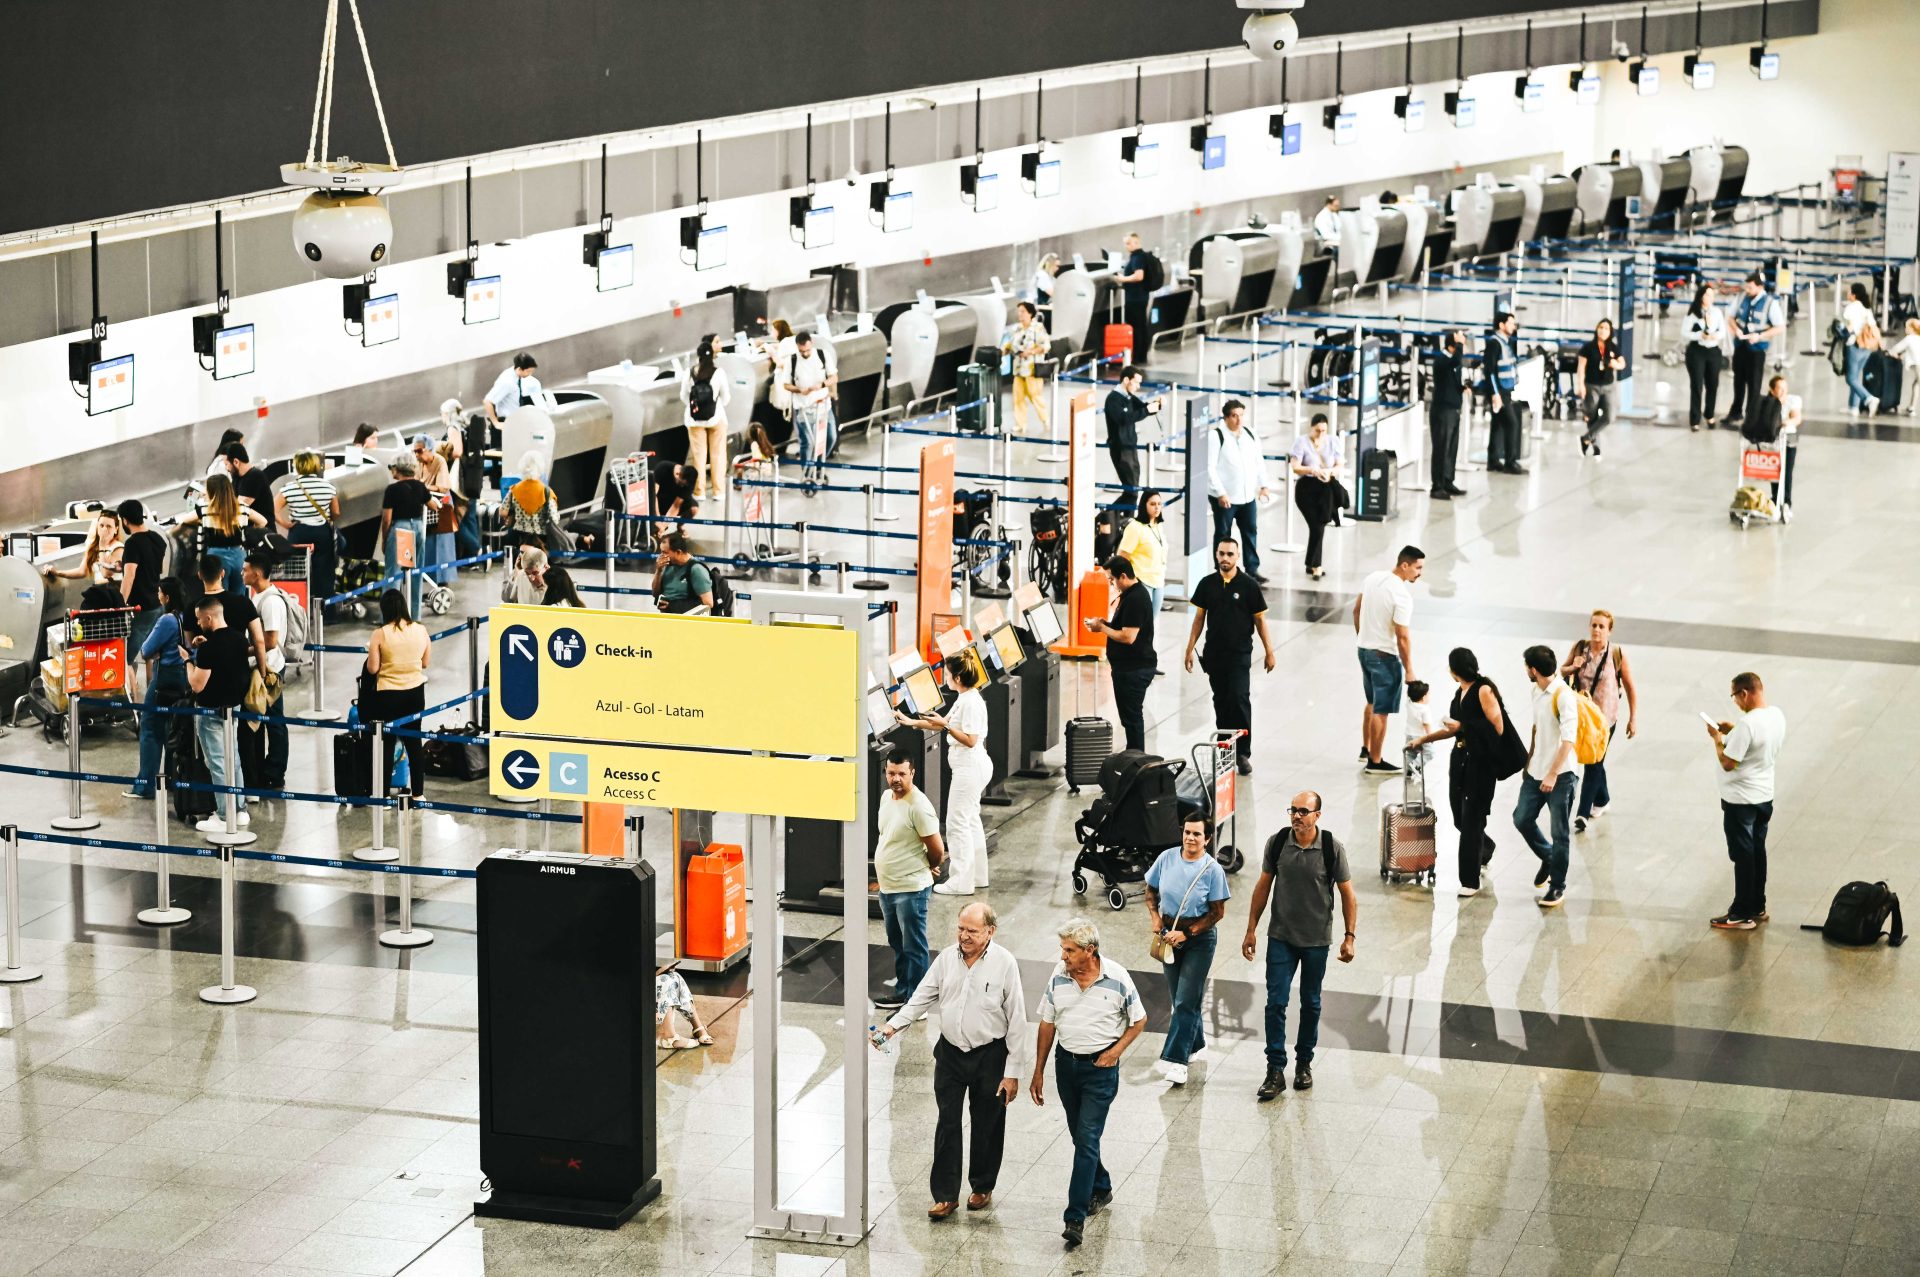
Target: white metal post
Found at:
228, 992
76, 817
317, 637
163, 913
379, 853
15, 973
404, 936
884, 514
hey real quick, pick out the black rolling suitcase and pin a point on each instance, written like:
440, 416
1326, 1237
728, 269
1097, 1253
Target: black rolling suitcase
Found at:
184, 763
1882, 378
353, 764
1089, 745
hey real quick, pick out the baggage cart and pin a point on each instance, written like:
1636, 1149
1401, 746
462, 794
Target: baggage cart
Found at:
1752, 502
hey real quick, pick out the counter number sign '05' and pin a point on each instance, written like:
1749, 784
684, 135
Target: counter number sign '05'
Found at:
698, 682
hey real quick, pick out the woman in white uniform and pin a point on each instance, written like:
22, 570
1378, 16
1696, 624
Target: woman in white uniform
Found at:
965, 724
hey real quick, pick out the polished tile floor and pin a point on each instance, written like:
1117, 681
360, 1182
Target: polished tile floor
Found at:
1612, 1088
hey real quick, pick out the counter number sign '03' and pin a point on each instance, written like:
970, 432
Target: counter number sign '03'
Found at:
698, 682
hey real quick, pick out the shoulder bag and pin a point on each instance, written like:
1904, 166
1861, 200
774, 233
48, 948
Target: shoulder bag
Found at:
1159, 946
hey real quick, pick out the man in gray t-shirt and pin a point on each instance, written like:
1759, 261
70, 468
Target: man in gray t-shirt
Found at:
1300, 870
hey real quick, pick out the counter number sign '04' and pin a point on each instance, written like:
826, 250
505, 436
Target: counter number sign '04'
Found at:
697, 682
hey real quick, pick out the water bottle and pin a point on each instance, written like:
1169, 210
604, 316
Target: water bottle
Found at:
881, 1042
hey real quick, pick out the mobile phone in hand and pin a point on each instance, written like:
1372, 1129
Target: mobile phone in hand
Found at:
1708, 721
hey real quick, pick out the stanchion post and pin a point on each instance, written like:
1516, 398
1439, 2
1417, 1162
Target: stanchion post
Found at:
76, 817
14, 973
232, 835
473, 656
607, 545
379, 853
546, 826
163, 913
404, 936
868, 582
884, 514
317, 638
632, 844
228, 992
840, 574
806, 556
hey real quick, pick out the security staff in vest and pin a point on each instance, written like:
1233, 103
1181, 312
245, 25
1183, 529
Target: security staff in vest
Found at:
1443, 413
1500, 364
1126, 410
1758, 321
514, 386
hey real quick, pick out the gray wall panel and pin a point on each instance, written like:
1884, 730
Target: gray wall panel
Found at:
496, 209
29, 286
629, 184
747, 166
180, 271
263, 255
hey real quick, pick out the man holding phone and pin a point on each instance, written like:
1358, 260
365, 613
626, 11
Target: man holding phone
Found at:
1130, 654
1125, 410
983, 1050
1746, 752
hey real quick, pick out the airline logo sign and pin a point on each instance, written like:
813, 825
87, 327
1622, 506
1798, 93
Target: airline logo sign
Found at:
684, 681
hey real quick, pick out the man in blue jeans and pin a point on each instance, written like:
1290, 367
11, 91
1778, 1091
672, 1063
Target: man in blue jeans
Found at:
907, 852
1092, 1012
1300, 871
1553, 774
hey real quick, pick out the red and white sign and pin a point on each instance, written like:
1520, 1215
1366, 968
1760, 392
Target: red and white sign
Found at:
1757, 465
99, 665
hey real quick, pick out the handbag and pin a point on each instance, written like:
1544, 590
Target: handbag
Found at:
1159, 946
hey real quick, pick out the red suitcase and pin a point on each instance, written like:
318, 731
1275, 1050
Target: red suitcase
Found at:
1119, 341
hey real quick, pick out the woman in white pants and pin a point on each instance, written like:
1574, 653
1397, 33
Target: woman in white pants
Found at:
969, 770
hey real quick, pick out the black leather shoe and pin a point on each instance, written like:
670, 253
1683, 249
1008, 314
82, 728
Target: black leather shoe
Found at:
1074, 1232
1101, 1197
1276, 1082
1456, 491
1303, 1078
1440, 494
1486, 854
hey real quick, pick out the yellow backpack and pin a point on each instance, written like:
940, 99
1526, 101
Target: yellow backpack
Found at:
1590, 732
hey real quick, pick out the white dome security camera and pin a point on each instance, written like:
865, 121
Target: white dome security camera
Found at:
1620, 51
342, 234
1270, 36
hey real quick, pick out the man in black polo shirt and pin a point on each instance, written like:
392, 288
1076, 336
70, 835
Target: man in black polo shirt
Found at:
142, 564
249, 481
236, 606
1129, 648
218, 674
1443, 414
1229, 606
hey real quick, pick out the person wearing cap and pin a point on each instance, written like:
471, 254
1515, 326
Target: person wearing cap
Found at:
514, 386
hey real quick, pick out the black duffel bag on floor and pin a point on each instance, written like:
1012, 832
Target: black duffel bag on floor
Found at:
455, 758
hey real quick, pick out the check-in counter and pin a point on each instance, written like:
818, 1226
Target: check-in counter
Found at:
1604, 190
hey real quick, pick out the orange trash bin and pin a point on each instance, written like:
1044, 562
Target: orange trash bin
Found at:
716, 902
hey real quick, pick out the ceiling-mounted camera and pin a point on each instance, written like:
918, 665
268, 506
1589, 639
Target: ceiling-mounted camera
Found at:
342, 229
1620, 51
1270, 33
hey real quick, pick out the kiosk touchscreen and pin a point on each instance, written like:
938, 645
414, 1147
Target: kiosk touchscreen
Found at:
1006, 644
920, 692
1044, 624
879, 709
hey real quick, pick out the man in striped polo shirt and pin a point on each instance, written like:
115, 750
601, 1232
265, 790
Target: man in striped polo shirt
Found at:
1094, 1011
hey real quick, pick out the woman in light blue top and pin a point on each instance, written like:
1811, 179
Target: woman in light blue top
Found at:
166, 685
1186, 899
1317, 489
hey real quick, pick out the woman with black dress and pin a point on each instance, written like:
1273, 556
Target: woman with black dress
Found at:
1599, 363
1475, 723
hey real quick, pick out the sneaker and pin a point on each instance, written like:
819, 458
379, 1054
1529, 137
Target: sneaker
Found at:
948, 889
1075, 1232
135, 794
1762, 916
1303, 1078
1872, 407
891, 1002
211, 825
1554, 898
1274, 1083
1175, 1074
1586, 445
1579, 827
1382, 768
1363, 755
1599, 810
1734, 924
243, 820
1469, 892
1540, 879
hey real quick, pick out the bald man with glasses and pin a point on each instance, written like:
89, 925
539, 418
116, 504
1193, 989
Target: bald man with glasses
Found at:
1300, 872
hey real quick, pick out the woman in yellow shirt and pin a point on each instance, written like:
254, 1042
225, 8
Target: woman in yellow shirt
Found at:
1144, 543
397, 657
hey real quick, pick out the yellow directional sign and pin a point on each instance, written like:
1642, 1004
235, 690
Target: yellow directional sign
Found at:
756, 785
648, 678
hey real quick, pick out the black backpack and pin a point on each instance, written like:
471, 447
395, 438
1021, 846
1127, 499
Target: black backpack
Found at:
1859, 913
1154, 273
701, 404
1837, 341
722, 596
473, 460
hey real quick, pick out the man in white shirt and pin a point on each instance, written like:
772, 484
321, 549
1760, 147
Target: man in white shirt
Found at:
1093, 1011
1382, 622
1746, 752
1236, 483
812, 383
980, 1056
514, 386
1326, 224
272, 603
1552, 776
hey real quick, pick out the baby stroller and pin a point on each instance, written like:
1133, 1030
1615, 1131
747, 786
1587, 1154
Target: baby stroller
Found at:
1135, 818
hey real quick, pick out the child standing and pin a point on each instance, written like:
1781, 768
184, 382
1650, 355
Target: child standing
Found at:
1422, 719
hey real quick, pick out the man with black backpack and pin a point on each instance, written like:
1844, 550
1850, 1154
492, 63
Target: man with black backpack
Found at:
1140, 278
679, 583
1746, 752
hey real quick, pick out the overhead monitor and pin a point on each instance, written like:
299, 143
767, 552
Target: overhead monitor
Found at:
1765, 64
233, 352
481, 301
1214, 154
817, 232
109, 385
1290, 138
1645, 77
1346, 128
1046, 179
1415, 115
1533, 96
380, 320
1044, 624
1700, 73
711, 252
898, 213
920, 692
613, 269
879, 709
986, 192
1007, 644
1466, 111
1146, 159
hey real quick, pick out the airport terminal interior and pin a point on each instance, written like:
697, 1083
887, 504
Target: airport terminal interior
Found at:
556, 940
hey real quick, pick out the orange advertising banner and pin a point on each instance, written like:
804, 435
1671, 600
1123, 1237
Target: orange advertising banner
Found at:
934, 592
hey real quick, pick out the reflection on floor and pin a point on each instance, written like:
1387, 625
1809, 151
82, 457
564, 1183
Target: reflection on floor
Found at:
1610, 1088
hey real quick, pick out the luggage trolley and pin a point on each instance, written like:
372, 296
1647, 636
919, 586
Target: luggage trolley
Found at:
293, 574
92, 662
630, 491
1209, 789
1752, 503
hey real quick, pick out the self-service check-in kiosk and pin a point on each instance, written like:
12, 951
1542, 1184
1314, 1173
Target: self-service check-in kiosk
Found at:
1486, 220
814, 882
1038, 630
1550, 205
1663, 187
930, 342
1429, 238
1718, 178
1604, 190
1082, 300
